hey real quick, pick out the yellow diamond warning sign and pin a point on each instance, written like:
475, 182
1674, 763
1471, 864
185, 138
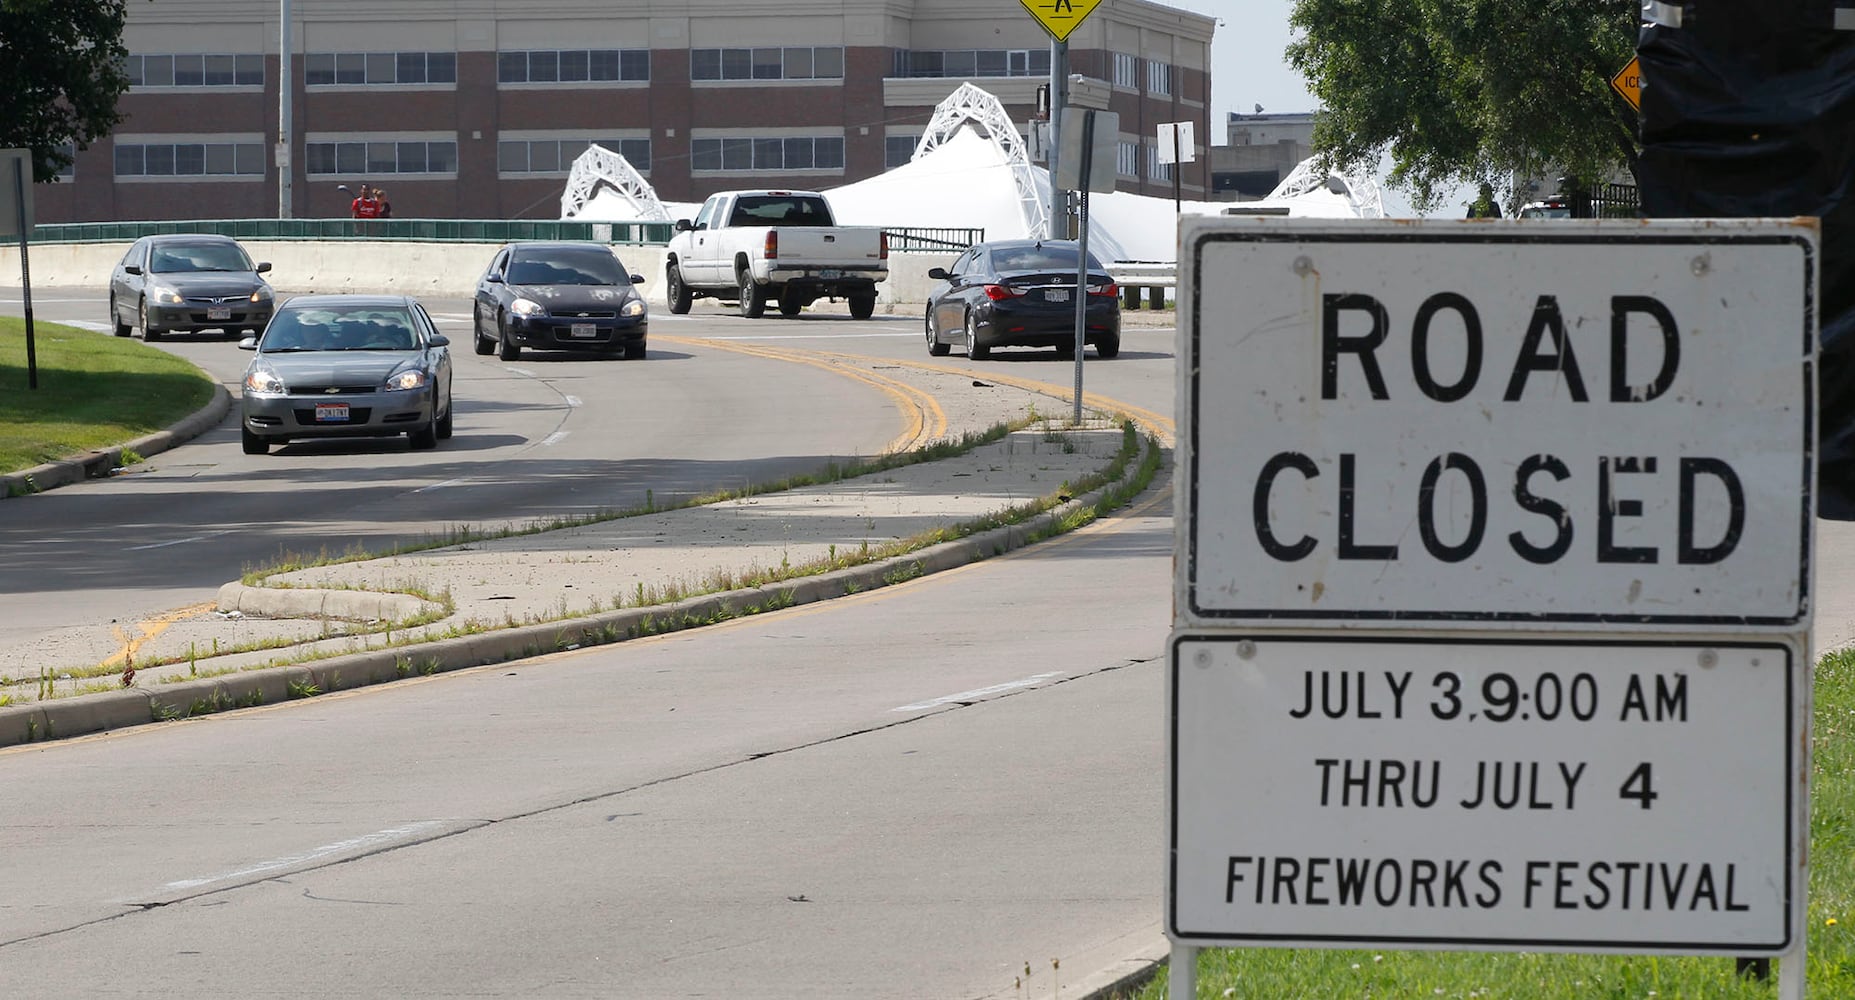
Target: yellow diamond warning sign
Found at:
1628, 82
1060, 17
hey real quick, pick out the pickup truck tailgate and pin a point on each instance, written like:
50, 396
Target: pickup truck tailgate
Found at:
834, 247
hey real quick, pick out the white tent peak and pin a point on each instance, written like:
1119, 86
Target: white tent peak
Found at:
599, 170
969, 107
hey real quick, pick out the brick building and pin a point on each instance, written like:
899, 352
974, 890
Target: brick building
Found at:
476, 108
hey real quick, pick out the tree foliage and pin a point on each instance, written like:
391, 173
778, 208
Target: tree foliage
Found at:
1467, 91
61, 71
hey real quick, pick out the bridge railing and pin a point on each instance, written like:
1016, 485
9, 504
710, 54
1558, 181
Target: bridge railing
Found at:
400, 230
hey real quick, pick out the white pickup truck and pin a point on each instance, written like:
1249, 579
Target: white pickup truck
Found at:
752, 246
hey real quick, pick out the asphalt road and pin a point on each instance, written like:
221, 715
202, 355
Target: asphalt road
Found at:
916, 792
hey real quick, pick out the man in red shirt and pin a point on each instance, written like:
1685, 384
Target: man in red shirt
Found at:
366, 206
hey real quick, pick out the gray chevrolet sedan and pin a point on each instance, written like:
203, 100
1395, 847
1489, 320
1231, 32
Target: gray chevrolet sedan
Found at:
331, 366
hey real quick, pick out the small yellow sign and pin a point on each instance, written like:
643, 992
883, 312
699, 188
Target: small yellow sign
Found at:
1628, 82
1060, 17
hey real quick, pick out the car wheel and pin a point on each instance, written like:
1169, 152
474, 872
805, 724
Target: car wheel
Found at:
253, 444
115, 320
424, 438
634, 352
753, 298
678, 293
935, 347
862, 306
1065, 352
790, 306
1109, 346
444, 422
149, 335
974, 349
478, 342
506, 347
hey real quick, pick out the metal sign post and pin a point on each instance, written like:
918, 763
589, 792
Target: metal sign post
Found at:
1090, 136
1493, 565
16, 219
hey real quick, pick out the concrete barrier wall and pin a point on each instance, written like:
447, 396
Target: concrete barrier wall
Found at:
448, 270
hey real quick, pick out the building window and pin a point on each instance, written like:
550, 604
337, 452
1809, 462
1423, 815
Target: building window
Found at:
573, 66
899, 149
189, 159
347, 69
195, 70
811, 153
934, 63
803, 63
556, 156
381, 156
1158, 78
1127, 159
1126, 71
1156, 170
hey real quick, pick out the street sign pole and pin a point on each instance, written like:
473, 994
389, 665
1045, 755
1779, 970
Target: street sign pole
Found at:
20, 215
1177, 165
1086, 164
1059, 99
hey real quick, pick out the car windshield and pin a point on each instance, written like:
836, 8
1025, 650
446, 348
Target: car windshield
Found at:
567, 267
173, 258
344, 329
1038, 258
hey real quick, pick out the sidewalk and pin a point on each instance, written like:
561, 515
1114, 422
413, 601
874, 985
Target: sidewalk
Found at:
320, 629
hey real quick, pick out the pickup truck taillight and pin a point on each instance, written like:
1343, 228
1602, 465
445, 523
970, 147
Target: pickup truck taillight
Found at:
772, 245
885, 246
997, 292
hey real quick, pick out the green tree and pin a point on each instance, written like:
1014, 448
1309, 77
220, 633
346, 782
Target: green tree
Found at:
61, 69
1466, 91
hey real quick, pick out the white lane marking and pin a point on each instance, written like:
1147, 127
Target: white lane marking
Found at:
41, 299
818, 336
976, 693
352, 844
522, 371
573, 400
453, 317
181, 541
554, 438
438, 486
84, 324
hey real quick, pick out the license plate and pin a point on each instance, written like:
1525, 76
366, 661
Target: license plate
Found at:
1056, 295
830, 272
583, 330
331, 413
218, 312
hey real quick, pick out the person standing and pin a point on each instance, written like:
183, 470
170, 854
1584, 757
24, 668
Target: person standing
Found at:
367, 205
386, 207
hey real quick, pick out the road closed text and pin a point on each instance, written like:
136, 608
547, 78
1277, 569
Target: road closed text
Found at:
1550, 507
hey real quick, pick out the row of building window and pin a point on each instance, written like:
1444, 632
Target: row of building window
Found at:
573, 65
1127, 161
933, 63
548, 156
784, 153
376, 158
324, 69
189, 159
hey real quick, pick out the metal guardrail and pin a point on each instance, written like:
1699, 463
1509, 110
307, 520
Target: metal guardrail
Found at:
400, 230
907, 238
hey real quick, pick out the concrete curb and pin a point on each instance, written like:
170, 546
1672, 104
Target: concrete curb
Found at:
309, 602
76, 716
98, 464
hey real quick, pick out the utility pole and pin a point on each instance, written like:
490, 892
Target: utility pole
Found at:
1059, 99
285, 129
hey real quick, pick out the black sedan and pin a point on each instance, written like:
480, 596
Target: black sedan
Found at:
1021, 293
187, 282
559, 296
347, 366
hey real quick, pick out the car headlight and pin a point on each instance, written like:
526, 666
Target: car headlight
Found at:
527, 307
263, 382
410, 378
263, 294
635, 307
164, 294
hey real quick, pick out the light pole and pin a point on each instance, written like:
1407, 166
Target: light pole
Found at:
285, 84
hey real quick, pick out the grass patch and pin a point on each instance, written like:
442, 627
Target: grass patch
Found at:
95, 391
1401, 975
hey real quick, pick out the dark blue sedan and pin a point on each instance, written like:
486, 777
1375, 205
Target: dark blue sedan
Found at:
559, 297
1021, 293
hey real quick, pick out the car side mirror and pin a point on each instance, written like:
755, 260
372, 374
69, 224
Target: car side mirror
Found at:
939, 274
132, 269
684, 225
493, 278
636, 279
440, 340
263, 266
248, 344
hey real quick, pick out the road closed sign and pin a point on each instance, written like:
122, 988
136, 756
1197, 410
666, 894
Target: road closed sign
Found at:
1498, 424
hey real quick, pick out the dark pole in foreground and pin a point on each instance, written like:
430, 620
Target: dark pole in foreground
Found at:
1085, 165
25, 274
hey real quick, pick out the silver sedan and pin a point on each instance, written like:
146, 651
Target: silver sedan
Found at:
331, 366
